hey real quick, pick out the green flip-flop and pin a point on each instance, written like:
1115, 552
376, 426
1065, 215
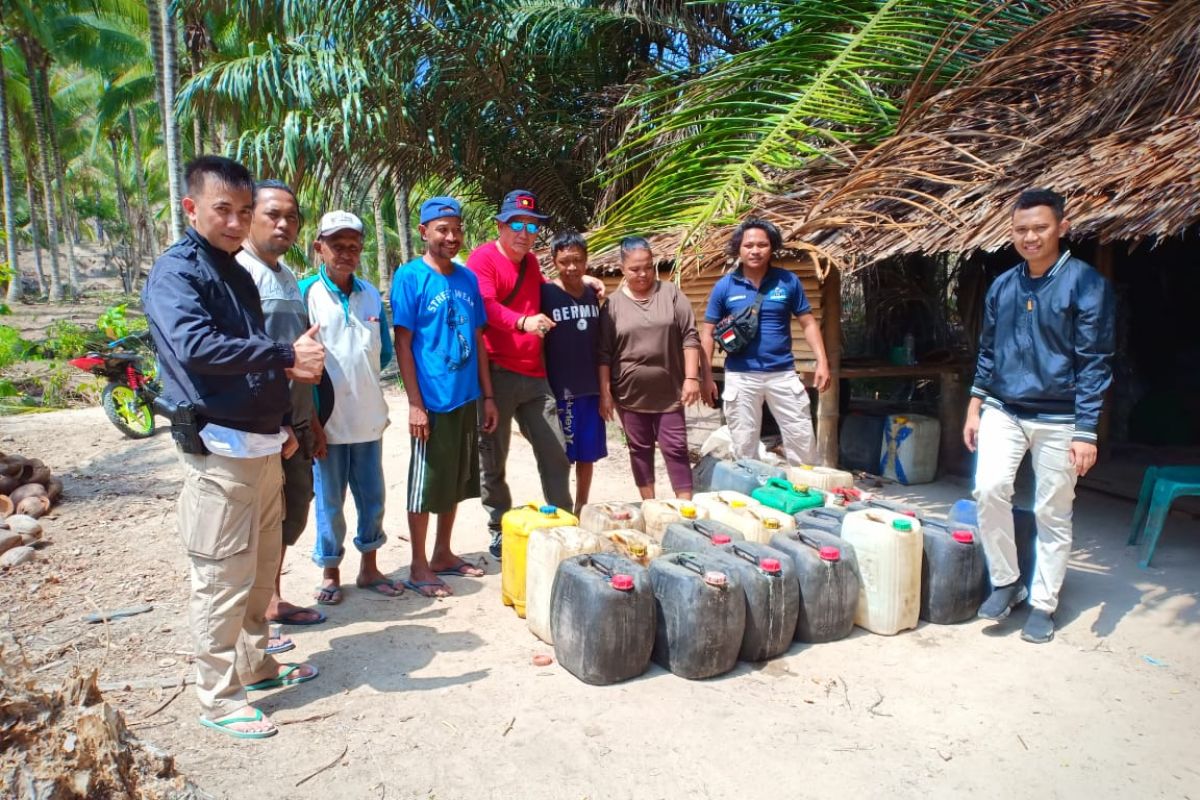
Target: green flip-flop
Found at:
283, 680
222, 725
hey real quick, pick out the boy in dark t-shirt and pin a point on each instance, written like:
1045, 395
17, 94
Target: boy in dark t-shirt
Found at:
570, 349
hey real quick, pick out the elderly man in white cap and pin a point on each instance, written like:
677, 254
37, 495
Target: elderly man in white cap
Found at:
354, 330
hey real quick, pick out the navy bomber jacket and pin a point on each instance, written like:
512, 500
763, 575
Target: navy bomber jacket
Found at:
213, 350
1046, 347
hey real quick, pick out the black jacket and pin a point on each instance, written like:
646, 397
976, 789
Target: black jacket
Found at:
1046, 346
207, 323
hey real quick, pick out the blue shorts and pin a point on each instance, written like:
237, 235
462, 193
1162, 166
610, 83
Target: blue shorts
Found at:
583, 428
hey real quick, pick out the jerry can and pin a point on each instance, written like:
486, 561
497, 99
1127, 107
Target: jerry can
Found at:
682, 537
953, 572
894, 506
600, 517
744, 475
658, 514
634, 545
700, 617
602, 618
772, 593
1024, 530
827, 571
909, 453
755, 521
824, 478
515, 526
547, 548
889, 551
828, 518
790, 498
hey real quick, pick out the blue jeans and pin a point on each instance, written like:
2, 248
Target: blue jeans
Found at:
361, 467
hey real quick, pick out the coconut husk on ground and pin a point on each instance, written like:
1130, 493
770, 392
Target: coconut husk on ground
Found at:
71, 743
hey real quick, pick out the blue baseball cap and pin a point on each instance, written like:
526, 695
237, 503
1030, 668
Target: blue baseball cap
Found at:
438, 207
519, 203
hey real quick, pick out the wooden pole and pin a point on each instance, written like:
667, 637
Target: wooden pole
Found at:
952, 409
828, 402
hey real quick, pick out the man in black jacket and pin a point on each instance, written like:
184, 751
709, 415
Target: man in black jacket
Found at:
1043, 367
217, 364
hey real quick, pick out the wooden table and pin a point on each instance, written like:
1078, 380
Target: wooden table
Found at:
952, 406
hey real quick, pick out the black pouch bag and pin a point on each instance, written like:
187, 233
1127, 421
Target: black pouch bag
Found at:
736, 331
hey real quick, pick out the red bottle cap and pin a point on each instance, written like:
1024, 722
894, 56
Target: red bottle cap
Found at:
830, 554
622, 582
909, 513
966, 537
771, 565
622, 514
721, 538
717, 579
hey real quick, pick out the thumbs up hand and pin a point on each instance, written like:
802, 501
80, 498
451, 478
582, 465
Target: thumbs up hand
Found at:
309, 358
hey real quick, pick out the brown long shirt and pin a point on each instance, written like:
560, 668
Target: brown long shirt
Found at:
642, 342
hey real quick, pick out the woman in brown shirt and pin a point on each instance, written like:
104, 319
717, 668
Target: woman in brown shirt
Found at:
650, 367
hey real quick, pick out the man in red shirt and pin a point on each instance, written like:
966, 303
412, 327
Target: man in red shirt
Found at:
511, 284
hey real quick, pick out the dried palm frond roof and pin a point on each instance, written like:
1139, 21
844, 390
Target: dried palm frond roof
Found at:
1099, 101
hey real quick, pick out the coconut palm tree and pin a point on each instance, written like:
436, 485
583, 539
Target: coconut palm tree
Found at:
6, 170
825, 75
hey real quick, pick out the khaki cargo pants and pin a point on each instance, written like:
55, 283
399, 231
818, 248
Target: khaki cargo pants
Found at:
231, 523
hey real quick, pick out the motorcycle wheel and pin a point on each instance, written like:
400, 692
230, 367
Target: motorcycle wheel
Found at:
132, 416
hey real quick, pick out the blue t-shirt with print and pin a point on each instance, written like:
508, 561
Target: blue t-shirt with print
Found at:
443, 312
771, 350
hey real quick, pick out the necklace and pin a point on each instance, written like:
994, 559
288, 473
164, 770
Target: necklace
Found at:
581, 322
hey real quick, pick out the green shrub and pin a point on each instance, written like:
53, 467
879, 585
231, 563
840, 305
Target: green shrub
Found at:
12, 347
115, 323
65, 339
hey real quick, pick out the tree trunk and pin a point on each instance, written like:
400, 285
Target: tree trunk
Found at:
404, 222
60, 175
147, 232
197, 138
169, 55
129, 261
35, 233
381, 254
15, 289
35, 61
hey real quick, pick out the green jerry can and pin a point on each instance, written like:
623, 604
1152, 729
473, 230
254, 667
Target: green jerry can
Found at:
790, 498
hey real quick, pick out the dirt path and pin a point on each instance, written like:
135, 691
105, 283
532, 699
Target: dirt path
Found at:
438, 699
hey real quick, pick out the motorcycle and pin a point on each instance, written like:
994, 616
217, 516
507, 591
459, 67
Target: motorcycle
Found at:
131, 397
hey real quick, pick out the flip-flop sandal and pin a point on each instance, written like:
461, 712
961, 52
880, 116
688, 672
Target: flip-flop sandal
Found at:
458, 570
296, 617
283, 680
377, 587
283, 645
328, 595
420, 586
222, 725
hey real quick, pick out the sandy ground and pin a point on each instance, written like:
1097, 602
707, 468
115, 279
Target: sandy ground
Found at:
438, 699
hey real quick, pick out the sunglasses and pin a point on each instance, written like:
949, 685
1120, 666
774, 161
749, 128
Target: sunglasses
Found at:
531, 227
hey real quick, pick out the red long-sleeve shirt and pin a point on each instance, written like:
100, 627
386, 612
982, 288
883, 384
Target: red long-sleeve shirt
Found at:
497, 275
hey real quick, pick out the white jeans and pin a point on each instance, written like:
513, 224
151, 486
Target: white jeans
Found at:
786, 397
1003, 440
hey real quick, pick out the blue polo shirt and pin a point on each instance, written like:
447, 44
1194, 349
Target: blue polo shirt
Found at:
771, 351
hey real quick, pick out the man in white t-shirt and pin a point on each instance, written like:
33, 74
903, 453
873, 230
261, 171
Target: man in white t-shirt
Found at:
354, 330
273, 231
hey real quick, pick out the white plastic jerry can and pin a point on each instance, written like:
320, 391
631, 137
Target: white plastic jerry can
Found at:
889, 551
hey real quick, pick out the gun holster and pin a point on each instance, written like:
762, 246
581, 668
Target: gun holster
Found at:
185, 427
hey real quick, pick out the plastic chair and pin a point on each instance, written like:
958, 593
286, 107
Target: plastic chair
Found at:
1161, 486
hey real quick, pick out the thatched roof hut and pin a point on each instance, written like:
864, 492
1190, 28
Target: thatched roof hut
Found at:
1100, 101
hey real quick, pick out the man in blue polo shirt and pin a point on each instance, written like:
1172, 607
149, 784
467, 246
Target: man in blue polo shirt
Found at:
766, 368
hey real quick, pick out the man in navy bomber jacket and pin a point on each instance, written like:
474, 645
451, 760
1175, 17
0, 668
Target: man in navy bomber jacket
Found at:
1044, 364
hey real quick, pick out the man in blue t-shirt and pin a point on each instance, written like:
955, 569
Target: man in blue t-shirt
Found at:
766, 368
570, 349
438, 315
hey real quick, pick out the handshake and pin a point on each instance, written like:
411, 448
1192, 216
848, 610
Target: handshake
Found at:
309, 359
